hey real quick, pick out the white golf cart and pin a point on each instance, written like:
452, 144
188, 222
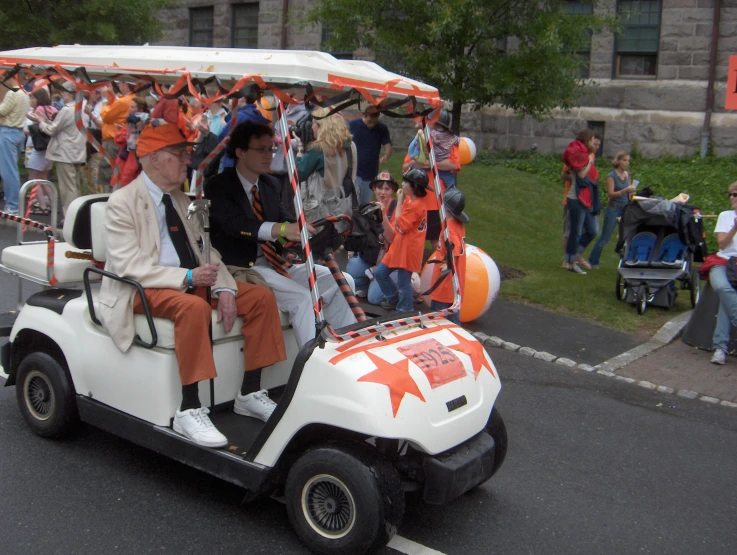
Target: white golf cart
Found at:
365, 413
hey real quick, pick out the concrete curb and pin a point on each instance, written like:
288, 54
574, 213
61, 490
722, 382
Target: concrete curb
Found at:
665, 335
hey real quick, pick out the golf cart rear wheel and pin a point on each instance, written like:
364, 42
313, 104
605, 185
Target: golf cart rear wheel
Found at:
498, 431
641, 299
344, 499
45, 396
694, 284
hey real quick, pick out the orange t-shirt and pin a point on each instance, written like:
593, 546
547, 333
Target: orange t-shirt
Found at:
406, 250
444, 292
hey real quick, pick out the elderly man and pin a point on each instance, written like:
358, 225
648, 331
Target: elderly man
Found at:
13, 110
248, 217
150, 240
369, 135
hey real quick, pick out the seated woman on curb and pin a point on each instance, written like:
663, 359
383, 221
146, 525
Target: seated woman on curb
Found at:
716, 265
362, 265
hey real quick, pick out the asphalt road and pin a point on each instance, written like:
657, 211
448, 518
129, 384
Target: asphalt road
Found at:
594, 466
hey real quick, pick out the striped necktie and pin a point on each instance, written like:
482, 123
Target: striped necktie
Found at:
268, 248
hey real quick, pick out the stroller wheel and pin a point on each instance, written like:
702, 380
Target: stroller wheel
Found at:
621, 289
641, 299
695, 287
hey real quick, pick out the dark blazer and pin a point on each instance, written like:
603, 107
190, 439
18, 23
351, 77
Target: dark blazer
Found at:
233, 225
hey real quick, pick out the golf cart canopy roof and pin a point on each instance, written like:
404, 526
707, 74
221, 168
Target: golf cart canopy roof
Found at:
281, 68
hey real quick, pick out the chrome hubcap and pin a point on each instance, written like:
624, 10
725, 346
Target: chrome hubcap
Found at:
328, 506
39, 396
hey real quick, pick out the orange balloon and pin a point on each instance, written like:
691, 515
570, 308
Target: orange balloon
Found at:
482, 284
465, 152
481, 287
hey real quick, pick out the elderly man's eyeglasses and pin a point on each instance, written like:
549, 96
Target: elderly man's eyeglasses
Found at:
265, 149
183, 155
732, 195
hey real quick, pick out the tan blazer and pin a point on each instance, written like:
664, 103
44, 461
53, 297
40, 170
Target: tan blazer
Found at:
133, 244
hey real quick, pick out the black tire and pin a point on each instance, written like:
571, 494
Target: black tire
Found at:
498, 431
621, 290
46, 396
344, 499
641, 299
695, 287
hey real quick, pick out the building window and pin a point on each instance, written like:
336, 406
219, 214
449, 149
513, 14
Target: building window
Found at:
637, 46
200, 26
326, 35
244, 33
583, 54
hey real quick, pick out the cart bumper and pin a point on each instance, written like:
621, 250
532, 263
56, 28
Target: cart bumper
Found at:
451, 474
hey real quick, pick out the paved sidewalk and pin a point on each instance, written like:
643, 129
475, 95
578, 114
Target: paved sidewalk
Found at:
682, 367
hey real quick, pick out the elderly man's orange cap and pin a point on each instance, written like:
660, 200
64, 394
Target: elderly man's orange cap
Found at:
153, 138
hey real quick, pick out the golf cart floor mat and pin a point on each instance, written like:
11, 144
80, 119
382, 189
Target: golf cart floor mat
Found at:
241, 431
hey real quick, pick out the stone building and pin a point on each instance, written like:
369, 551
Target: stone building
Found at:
649, 85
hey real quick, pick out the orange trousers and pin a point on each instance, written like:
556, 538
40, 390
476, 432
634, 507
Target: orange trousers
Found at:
262, 335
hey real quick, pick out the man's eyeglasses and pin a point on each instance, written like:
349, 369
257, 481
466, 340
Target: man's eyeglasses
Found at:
732, 195
265, 149
181, 154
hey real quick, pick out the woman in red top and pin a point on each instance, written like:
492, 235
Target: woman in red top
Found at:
405, 252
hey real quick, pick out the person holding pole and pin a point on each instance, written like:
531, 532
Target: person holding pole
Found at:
150, 240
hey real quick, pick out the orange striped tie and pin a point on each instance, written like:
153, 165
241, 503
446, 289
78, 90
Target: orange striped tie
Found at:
268, 248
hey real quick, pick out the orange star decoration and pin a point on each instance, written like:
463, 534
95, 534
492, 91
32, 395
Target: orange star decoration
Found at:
475, 350
394, 375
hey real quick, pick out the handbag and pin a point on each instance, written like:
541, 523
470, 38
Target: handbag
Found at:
40, 139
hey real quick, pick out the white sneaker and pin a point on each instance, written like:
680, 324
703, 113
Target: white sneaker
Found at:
256, 404
719, 357
195, 425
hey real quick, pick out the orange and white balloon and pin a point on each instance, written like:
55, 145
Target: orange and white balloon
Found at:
482, 283
466, 150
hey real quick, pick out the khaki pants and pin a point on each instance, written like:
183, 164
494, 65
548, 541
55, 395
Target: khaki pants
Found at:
69, 178
263, 343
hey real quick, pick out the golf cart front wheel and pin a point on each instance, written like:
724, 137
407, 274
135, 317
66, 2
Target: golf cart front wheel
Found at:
498, 431
641, 299
45, 396
344, 499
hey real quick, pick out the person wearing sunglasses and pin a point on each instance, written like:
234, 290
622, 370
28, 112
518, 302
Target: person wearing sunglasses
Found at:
716, 265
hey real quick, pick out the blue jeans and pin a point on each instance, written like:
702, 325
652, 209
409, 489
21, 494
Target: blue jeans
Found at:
437, 306
363, 191
12, 140
584, 228
357, 267
727, 315
401, 293
607, 228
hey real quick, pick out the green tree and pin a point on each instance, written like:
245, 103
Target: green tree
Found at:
27, 23
519, 53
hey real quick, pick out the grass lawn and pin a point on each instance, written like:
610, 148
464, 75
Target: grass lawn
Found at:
516, 218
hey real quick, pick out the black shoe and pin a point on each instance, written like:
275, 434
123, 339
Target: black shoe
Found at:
388, 306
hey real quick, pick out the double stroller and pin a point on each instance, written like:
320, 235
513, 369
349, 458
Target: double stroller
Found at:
659, 241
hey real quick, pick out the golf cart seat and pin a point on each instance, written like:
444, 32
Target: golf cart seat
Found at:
30, 260
164, 328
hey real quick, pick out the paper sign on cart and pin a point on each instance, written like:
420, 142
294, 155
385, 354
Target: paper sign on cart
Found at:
440, 364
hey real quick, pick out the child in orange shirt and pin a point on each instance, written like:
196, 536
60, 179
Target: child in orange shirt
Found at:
405, 252
442, 297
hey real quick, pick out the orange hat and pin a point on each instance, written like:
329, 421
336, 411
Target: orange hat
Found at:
153, 138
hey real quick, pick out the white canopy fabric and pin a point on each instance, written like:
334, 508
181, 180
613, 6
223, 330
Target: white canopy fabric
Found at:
167, 63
